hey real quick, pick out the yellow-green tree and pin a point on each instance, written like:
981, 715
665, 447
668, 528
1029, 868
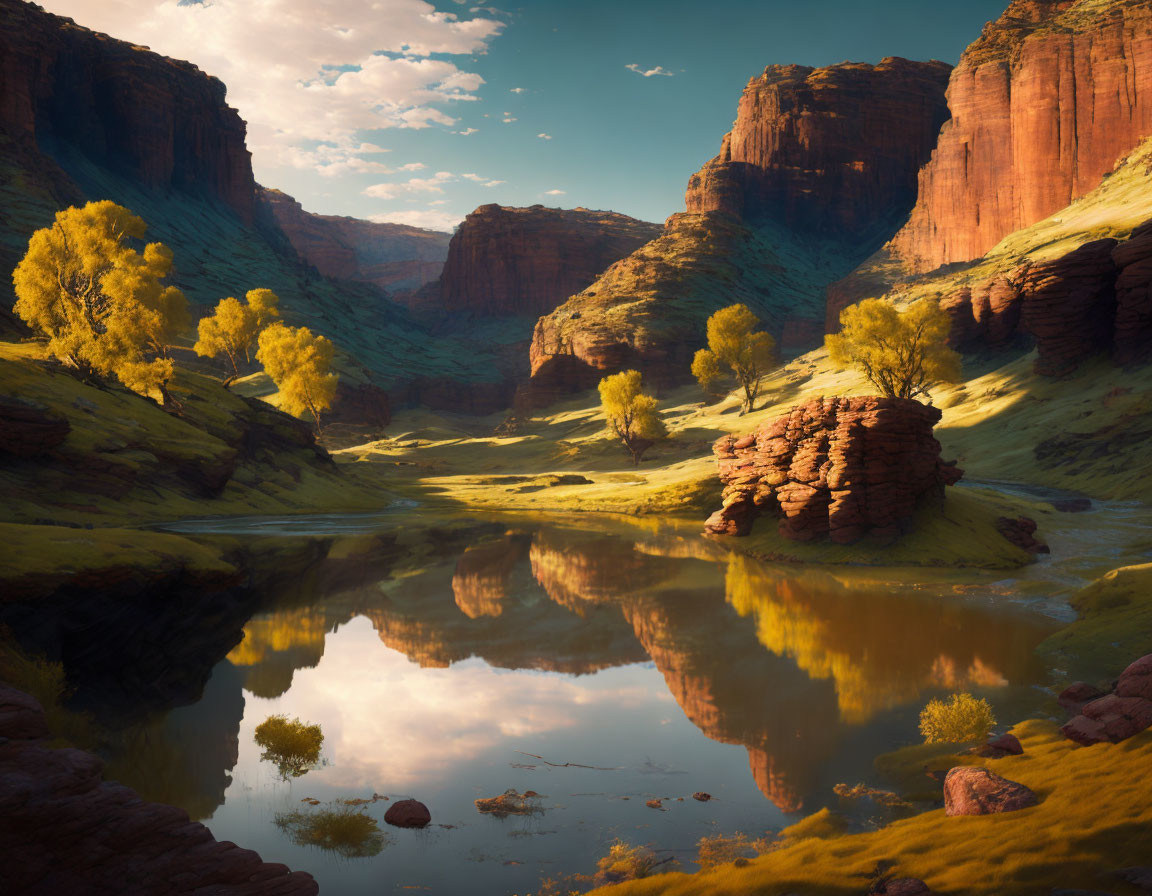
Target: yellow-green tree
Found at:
234, 326
736, 344
963, 719
902, 354
300, 364
632, 416
100, 303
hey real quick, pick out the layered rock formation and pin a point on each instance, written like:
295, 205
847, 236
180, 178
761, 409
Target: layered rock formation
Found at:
526, 261
1117, 716
1092, 300
75, 833
818, 171
840, 467
394, 257
161, 122
1043, 105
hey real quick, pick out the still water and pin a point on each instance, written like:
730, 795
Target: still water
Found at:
601, 668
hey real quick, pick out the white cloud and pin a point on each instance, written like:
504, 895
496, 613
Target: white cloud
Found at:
467, 132
554, 192
432, 219
544, 136
413, 166
648, 73
493, 183
305, 74
509, 119
475, 177
518, 90
381, 191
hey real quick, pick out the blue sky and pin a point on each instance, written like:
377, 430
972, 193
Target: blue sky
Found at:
419, 112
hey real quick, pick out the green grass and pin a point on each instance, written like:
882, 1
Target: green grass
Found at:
1065, 841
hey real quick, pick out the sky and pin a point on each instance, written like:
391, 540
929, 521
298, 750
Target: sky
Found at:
418, 112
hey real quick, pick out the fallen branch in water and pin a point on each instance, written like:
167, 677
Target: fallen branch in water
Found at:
565, 764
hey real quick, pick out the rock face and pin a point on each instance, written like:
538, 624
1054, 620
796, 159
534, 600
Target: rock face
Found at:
970, 790
28, 429
75, 833
840, 467
1043, 104
1095, 299
394, 257
1113, 717
161, 122
832, 150
818, 171
526, 261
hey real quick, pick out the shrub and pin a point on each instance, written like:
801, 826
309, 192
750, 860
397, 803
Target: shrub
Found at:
960, 720
294, 746
627, 862
348, 832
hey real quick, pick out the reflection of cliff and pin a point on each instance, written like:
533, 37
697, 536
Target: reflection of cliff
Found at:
483, 574
879, 649
276, 644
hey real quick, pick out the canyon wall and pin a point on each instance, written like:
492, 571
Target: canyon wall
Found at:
818, 171
526, 261
394, 257
159, 121
1043, 105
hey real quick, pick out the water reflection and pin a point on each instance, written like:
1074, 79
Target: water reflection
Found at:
431, 658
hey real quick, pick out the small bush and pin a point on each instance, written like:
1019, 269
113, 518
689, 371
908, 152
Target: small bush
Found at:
627, 862
294, 746
348, 832
721, 849
962, 719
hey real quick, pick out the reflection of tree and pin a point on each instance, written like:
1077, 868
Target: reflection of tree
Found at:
291, 745
351, 833
880, 649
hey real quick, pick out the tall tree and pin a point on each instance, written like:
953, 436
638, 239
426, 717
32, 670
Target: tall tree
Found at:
300, 364
632, 416
100, 303
902, 354
234, 326
735, 343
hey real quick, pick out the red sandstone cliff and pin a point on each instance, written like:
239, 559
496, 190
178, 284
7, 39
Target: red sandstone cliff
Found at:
818, 171
162, 122
833, 150
1043, 104
393, 256
526, 261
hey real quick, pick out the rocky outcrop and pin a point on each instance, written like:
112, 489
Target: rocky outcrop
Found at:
833, 150
394, 257
161, 122
360, 403
841, 468
970, 790
28, 429
1116, 716
525, 261
818, 171
76, 833
1093, 300
1042, 105
1021, 531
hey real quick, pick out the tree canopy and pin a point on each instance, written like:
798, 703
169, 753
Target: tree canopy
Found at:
736, 344
300, 364
632, 416
234, 326
101, 303
902, 354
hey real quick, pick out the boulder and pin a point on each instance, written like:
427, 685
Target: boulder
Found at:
1022, 533
1111, 719
971, 790
1077, 694
408, 814
1004, 745
1136, 680
839, 468
901, 886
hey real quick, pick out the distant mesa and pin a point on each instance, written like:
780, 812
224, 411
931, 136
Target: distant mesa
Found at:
818, 172
506, 261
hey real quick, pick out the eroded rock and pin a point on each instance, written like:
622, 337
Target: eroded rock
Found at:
1112, 717
971, 790
408, 814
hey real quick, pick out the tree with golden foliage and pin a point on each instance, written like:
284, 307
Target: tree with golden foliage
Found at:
735, 343
902, 354
632, 415
100, 303
233, 327
300, 364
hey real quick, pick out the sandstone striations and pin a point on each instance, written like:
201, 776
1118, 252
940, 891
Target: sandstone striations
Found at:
526, 261
75, 833
818, 171
1111, 718
392, 256
161, 122
1043, 105
841, 467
